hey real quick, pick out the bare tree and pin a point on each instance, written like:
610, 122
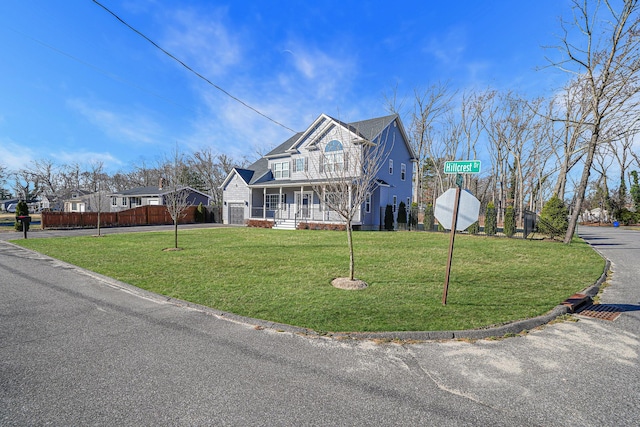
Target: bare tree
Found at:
348, 176
607, 56
429, 107
212, 169
97, 197
176, 196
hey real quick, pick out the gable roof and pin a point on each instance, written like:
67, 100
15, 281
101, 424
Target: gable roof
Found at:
368, 130
151, 190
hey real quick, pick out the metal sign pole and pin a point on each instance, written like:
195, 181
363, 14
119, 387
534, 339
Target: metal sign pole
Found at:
454, 223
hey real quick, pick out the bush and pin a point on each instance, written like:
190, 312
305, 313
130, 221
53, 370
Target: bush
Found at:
626, 217
402, 213
510, 222
201, 214
553, 218
429, 219
22, 209
490, 220
388, 218
413, 216
474, 228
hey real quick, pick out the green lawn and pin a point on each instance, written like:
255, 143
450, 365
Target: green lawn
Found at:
285, 276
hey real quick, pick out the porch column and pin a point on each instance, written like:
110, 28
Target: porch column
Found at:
280, 202
264, 203
323, 205
301, 196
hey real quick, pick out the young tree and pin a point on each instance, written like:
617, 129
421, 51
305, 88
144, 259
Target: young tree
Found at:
97, 187
176, 197
349, 175
606, 53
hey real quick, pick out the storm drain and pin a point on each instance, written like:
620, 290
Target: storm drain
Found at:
601, 311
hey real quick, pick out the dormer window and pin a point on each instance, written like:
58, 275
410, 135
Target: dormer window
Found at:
281, 170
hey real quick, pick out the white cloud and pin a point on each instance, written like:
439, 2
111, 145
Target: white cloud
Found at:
201, 40
86, 157
126, 126
449, 48
14, 156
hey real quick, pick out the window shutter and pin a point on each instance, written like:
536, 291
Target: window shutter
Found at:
321, 164
306, 163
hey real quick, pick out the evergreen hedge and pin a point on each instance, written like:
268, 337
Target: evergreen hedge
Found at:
429, 219
510, 222
388, 218
490, 220
553, 218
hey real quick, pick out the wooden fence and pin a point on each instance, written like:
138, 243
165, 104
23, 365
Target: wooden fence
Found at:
143, 215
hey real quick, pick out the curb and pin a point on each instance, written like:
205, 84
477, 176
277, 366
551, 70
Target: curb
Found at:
497, 331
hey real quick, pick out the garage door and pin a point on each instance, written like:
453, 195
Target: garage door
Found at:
236, 213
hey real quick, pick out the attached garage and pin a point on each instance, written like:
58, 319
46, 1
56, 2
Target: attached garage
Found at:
236, 213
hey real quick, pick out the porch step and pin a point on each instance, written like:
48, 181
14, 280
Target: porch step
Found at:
285, 224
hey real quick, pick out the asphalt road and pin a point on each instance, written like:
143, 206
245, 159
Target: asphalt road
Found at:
79, 349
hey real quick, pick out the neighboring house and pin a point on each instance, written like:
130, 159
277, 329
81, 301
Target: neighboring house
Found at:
5, 204
153, 195
280, 186
84, 201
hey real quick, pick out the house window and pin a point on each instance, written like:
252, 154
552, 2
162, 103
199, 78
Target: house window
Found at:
403, 171
333, 160
136, 201
123, 202
114, 201
300, 165
332, 201
74, 206
395, 204
271, 204
281, 170
390, 166
367, 203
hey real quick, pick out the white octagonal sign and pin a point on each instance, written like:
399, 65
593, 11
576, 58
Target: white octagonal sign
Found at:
468, 210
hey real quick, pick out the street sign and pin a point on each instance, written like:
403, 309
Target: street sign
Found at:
462, 166
468, 210
460, 209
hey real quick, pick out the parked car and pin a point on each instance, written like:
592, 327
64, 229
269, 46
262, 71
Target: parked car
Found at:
11, 208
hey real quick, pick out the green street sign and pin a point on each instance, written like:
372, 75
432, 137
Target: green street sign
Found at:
462, 166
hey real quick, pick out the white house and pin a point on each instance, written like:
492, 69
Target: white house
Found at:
285, 185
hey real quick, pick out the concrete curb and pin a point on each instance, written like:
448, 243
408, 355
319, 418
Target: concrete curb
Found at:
497, 331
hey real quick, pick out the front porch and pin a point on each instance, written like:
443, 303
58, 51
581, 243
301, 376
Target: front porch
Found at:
289, 206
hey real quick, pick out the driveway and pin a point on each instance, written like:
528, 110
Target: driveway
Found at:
77, 349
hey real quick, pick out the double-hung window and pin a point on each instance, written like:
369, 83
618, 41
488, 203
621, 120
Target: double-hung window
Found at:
390, 166
300, 164
403, 171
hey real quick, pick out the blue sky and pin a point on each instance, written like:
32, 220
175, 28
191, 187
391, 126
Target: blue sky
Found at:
79, 86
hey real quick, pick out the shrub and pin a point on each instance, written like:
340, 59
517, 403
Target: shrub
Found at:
388, 218
490, 220
474, 228
510, 222
402, 216
402, 213
21, 209
429, 219
553, 218
200, 215
413, 216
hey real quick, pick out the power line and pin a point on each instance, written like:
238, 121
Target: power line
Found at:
191, 69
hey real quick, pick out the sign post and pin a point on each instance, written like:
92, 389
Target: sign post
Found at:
452, 237
471, 208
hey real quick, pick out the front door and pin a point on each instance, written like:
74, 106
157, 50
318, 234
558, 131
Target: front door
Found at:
304, 200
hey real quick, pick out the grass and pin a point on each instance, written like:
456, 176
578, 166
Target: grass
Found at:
285, 276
